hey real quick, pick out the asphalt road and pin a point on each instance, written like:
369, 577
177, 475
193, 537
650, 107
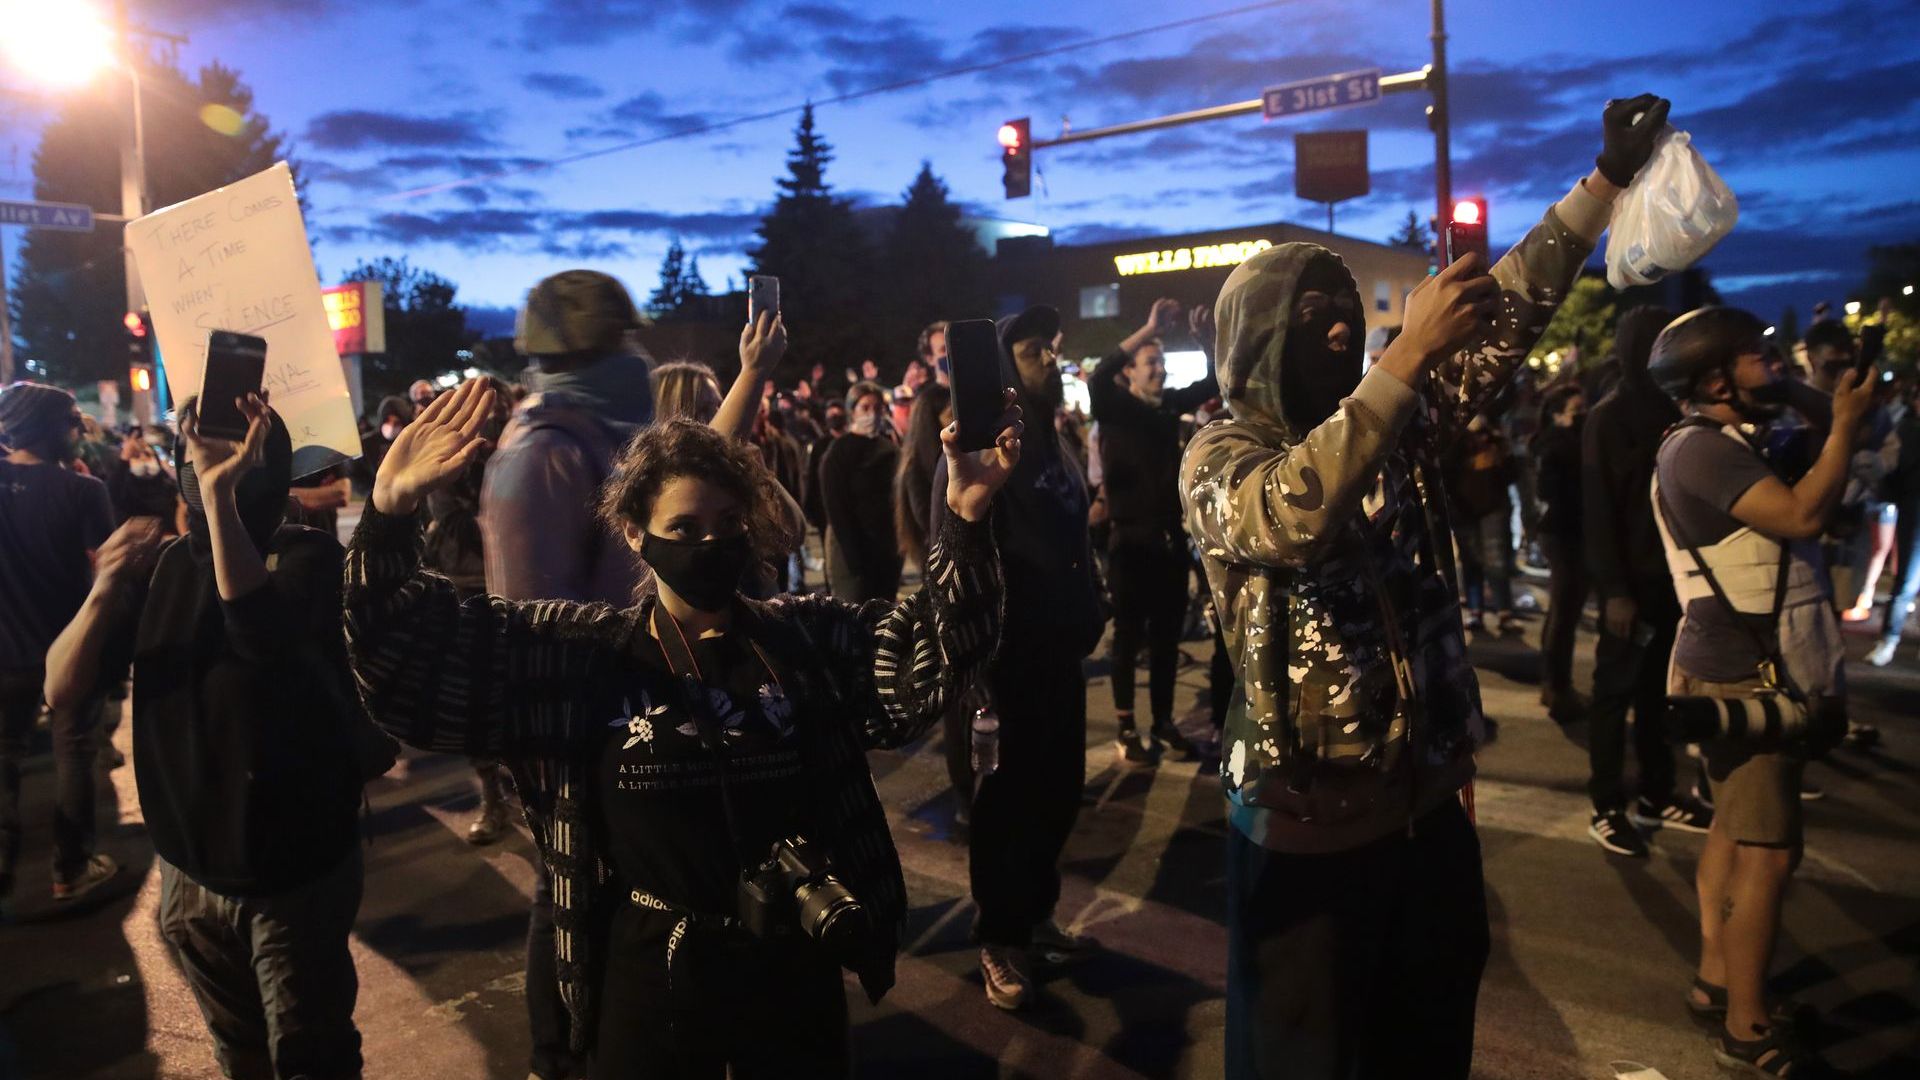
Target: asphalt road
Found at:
1591, 953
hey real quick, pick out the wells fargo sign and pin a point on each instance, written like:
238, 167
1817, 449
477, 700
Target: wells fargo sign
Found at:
1199, 257
356, 316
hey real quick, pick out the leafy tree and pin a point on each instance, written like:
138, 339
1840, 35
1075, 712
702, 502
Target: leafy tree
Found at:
426, 329
810, 241
936, 268
1892, 269
70, 295
1584, 322
680, 284
1413, 235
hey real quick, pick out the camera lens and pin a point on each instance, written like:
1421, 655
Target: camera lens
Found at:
831, 915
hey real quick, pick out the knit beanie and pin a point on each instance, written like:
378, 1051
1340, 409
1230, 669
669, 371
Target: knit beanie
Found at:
34, 415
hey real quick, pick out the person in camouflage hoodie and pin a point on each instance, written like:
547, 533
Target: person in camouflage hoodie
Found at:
1356, 911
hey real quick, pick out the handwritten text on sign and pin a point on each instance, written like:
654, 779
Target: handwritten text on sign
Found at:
237, 259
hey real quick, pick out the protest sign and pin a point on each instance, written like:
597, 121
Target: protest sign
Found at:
237, 259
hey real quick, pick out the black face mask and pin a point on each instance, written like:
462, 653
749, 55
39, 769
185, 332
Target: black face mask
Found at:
1314, 377
704, 573
1763, 403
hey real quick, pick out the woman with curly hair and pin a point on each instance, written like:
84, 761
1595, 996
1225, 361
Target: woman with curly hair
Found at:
703, 805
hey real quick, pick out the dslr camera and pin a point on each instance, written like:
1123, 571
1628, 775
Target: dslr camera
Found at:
1765, 722
795, 888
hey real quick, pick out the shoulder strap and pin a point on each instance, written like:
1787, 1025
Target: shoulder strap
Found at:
1773, 667
686, 676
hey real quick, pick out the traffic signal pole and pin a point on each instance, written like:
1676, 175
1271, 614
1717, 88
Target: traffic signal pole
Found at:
1439, 119
1389, 84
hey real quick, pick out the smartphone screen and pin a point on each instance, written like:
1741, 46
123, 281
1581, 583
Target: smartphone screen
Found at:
763, 294
235, 364
973, 354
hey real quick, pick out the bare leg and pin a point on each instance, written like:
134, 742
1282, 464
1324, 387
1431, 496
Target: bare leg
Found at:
1759, 881
1712, 880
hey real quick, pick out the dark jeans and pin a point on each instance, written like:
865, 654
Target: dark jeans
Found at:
1147, 568
1024, 811
548, 1021
752, 1011
1632, 673
1566, 597
272, 975
956, 737
1486, 560
73, 756
1906, 548
1360, 964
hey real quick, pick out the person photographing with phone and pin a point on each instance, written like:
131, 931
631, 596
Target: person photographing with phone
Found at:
695, 761
249, 747
1356, 912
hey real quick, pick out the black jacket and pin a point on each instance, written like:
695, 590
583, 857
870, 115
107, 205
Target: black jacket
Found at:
244, 719
856, 492
1140, 444
1622, 436
1556, 463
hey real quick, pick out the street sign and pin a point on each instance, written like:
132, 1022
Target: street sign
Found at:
65, 217
1330, 166
1324, 92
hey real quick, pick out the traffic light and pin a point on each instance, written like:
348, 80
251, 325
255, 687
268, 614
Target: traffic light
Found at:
1016, 158
1468, 229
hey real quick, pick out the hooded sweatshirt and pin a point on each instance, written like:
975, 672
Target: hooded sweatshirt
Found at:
244, 713
1324, 546
1618, 445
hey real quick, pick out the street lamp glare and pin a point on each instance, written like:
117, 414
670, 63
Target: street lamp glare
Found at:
59, 46
1908, 291
1853, 307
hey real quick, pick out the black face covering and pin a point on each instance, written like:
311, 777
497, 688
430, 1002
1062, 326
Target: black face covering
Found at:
261, 495
1763, 403
704, 573
1314, 376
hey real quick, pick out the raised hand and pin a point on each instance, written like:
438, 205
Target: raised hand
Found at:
1200, 321
127, 556
973, 479
1629, 127
435, 449
220, 463
762, 343
1442, 313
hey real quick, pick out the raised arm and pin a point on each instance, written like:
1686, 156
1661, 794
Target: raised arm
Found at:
1802, 511
898, 664
478, 677
76, 659
762, 344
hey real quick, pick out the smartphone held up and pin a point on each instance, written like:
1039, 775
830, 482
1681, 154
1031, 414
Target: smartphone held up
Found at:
973, 357
236, 366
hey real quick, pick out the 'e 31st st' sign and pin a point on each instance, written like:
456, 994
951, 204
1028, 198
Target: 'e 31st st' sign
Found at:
1323, 92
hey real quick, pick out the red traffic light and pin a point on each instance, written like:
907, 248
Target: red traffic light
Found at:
1011, 136
1467, 212
135, 325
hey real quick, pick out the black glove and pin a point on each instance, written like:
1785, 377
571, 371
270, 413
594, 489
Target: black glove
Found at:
1628, 144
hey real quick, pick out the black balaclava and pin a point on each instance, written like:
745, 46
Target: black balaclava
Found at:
1314, 376
261, 493
1633, 338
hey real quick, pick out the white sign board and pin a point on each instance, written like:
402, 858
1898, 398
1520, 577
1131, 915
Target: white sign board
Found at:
237, 259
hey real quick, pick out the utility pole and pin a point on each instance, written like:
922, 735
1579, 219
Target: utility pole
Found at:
133, 154
6, 322
1439, 120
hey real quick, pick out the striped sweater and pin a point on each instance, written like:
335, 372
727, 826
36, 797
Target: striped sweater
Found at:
530, 682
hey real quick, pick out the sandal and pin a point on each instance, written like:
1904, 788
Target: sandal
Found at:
1782, 1012
1771, 1056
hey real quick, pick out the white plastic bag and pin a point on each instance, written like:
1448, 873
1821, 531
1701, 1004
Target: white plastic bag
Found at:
1672, 214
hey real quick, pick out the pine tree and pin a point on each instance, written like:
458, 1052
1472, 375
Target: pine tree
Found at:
810, 242
70, 296
694, 285
1413, 235
670, 295
936, 268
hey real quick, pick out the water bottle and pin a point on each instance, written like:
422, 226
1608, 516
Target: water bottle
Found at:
986, 744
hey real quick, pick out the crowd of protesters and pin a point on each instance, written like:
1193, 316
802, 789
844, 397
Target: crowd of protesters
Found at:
665, 617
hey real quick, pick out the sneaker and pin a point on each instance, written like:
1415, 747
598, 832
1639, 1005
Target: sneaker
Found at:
1860, 736
1858, 613
1682, 814
1166, 734
1132, 752
1882, 654
489, 825
1810, 791
1055, 945
1004, 969
1613, 832
100, 870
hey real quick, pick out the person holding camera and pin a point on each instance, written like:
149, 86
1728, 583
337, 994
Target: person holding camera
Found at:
1757, 632
705, 814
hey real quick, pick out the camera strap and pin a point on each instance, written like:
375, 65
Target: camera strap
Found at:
678, 653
